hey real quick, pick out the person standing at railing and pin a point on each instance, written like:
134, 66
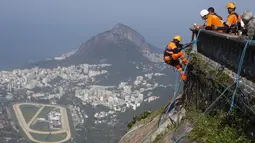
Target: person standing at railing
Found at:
212, 21
233, 23
212, 12
249, 26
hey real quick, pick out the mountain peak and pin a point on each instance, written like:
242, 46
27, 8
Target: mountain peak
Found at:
125, 32
120, 25
117, 45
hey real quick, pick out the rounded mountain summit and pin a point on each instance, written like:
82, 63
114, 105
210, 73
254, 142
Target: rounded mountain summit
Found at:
117, 46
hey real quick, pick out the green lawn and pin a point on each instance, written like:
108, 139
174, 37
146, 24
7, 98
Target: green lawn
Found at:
49, 138
28, 111
44, 112
41, 126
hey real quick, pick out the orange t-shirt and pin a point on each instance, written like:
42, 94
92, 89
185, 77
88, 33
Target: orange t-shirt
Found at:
214, 20
232, 19
171, 46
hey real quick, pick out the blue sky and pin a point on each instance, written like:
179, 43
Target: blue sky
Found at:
37, 29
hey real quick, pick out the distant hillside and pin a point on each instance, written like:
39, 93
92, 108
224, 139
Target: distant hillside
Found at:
122, 47
119, 45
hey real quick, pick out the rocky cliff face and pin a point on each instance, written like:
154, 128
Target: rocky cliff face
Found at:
150, 131
196, 117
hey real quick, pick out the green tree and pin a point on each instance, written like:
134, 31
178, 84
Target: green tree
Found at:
136, 118
129, 125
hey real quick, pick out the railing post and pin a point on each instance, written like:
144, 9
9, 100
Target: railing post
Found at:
194, 37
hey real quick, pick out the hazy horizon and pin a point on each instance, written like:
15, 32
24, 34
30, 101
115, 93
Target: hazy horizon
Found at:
35, 30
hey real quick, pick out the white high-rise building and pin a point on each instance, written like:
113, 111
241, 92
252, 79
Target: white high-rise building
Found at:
140, 97
86, 68
134, 107
132, 98
127, 98
127, 89
61, 90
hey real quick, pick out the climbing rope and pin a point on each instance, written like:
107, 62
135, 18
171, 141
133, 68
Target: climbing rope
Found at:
236, 83
214, 102
239, 72
177, 88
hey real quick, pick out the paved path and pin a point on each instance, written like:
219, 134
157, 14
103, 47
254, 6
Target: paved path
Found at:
34, 117
64, 120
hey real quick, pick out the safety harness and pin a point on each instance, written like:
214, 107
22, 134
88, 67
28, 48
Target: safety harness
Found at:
234, 27
168, 52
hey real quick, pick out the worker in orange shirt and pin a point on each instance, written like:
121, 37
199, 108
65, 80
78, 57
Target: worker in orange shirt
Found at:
212, 11
233, 23
234, 20
212, 21
172, 54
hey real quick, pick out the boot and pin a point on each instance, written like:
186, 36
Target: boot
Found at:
184, 77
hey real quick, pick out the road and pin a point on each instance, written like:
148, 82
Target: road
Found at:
64, 120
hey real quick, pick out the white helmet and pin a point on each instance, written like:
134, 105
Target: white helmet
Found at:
204, 12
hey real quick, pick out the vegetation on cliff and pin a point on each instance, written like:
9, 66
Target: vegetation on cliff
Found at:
144, 117
136, 118
217, 127
205, 85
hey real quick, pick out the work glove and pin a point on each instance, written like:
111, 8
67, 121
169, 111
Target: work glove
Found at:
193, 42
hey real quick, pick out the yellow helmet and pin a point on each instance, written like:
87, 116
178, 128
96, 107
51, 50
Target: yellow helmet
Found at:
231, 5
178, 37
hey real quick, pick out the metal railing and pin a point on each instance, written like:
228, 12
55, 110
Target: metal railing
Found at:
226, 50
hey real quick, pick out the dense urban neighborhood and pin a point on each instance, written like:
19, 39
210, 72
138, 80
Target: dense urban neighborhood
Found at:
67, 85
94, 91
